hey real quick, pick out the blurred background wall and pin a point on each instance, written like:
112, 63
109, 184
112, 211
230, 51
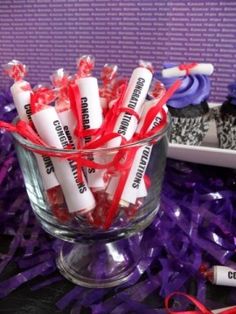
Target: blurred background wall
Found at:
48, 34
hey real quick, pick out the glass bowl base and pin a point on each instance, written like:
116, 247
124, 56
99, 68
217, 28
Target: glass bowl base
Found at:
99, 265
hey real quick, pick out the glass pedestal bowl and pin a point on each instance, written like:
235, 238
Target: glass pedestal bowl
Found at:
92, 256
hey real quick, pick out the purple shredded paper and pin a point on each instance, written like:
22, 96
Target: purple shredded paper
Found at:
195, 226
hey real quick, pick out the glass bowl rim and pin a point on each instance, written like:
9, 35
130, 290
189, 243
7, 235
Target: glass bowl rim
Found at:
35, 147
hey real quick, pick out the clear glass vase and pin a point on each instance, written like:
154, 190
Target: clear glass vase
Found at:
91, 255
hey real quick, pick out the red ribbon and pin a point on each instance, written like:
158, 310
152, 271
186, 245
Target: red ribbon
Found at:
201, 309
187, 67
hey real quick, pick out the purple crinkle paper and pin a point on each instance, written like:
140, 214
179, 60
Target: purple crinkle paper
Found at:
196, 225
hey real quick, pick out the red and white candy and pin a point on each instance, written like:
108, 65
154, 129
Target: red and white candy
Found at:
77, 194
188, 68
134, 98
135, 187
60, 80
92, 116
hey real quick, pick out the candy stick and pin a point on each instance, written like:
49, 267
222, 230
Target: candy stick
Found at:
222, 276
21, 93
77, 194
135, 95
92, 117
225, 310
60, 79
143, 70
135, 186
186, 69
127, 197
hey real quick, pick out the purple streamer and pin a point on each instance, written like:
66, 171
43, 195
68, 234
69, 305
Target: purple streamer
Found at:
14, 282
196, 225
15, 242
46, 283
70, 297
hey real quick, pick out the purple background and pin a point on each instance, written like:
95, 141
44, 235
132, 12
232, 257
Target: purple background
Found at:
48, 34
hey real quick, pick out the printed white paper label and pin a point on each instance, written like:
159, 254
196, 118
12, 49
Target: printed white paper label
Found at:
134, 181
224, 276
77, 194
92, 119
47, 171
201, 68
68, 121
134, 98
21, 100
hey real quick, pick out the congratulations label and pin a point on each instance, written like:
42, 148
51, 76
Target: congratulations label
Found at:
77, 194
21, 98
92, 118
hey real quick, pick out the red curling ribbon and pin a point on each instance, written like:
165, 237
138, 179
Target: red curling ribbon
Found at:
25, 130
157, 108
130, 111
147, 181
201, 309
7, 126
111, 116
187, 67
75, 104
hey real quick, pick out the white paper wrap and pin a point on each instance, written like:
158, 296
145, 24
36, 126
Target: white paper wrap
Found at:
134, 98
200, 68
92, 119
68, 121
78, 196
134, 186
21, 100
224, 276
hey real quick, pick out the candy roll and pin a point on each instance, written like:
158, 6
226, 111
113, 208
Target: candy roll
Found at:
60, 79
21, 92
135, 186
134, 183
134, 98
92, 118
182, 70
77, 194
110, 190
223, 276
